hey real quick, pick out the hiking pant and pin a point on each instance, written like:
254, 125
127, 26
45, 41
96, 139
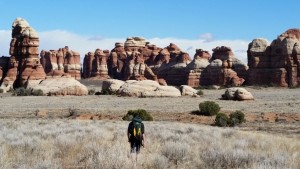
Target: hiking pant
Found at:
135, 146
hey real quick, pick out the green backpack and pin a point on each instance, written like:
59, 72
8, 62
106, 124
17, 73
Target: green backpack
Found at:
137, 130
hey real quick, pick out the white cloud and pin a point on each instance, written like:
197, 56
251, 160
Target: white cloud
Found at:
5, 37
207, 37
58, 38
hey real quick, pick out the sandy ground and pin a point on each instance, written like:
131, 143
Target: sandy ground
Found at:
271, 106
275, 100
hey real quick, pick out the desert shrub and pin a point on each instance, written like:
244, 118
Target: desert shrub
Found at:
144, 115
209, 108
21, 91
1, 91
38, 92
200, 92
107, 92
221, 120
91, 92
73, 112
236, 118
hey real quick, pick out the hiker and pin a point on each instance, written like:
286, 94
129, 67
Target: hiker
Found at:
136, 137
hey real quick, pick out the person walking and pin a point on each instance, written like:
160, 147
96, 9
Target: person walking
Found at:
136, 137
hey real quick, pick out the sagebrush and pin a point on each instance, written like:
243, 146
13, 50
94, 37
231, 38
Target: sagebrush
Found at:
209, 108
144, 115
36, 143
234, 119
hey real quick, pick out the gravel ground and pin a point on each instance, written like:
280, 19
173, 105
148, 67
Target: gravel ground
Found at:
278, 100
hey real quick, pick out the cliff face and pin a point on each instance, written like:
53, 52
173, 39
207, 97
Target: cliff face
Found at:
276, 63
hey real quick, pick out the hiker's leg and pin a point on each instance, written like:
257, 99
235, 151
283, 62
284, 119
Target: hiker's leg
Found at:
138, 148
133, 153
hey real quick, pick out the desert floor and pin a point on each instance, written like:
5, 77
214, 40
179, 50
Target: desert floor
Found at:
274, 110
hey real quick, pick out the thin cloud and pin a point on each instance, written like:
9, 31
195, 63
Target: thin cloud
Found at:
189, 48
207, 37
96, 38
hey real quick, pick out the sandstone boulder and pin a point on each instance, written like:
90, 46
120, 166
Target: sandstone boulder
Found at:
243, 94
237, 93
60, 86
112, 85
188, 90
147, 88
162, 91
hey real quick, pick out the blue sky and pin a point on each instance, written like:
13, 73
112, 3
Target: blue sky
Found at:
189, 20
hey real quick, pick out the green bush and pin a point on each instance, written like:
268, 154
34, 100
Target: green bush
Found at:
200, 92
209, 108
91, 92
221, 120
144, 115
236, 118
21, 91
38, 92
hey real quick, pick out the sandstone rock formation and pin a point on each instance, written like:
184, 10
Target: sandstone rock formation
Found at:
197, 66
237, 93
60, 86
277, 63
222, 68
59, 62
220, 71
116, 61
24, 64
137, 59
95, 64
172, 63
147, 88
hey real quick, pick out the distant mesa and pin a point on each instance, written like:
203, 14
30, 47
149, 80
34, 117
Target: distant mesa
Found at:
277, 63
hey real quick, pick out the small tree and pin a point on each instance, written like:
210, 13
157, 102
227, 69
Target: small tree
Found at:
144, 115
209, 108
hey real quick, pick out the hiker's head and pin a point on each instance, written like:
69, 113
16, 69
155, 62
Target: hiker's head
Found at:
137, 118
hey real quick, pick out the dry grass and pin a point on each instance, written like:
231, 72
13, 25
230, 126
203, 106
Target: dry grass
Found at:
57, 143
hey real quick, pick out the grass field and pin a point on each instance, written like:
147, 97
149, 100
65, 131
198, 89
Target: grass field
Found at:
63, 143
